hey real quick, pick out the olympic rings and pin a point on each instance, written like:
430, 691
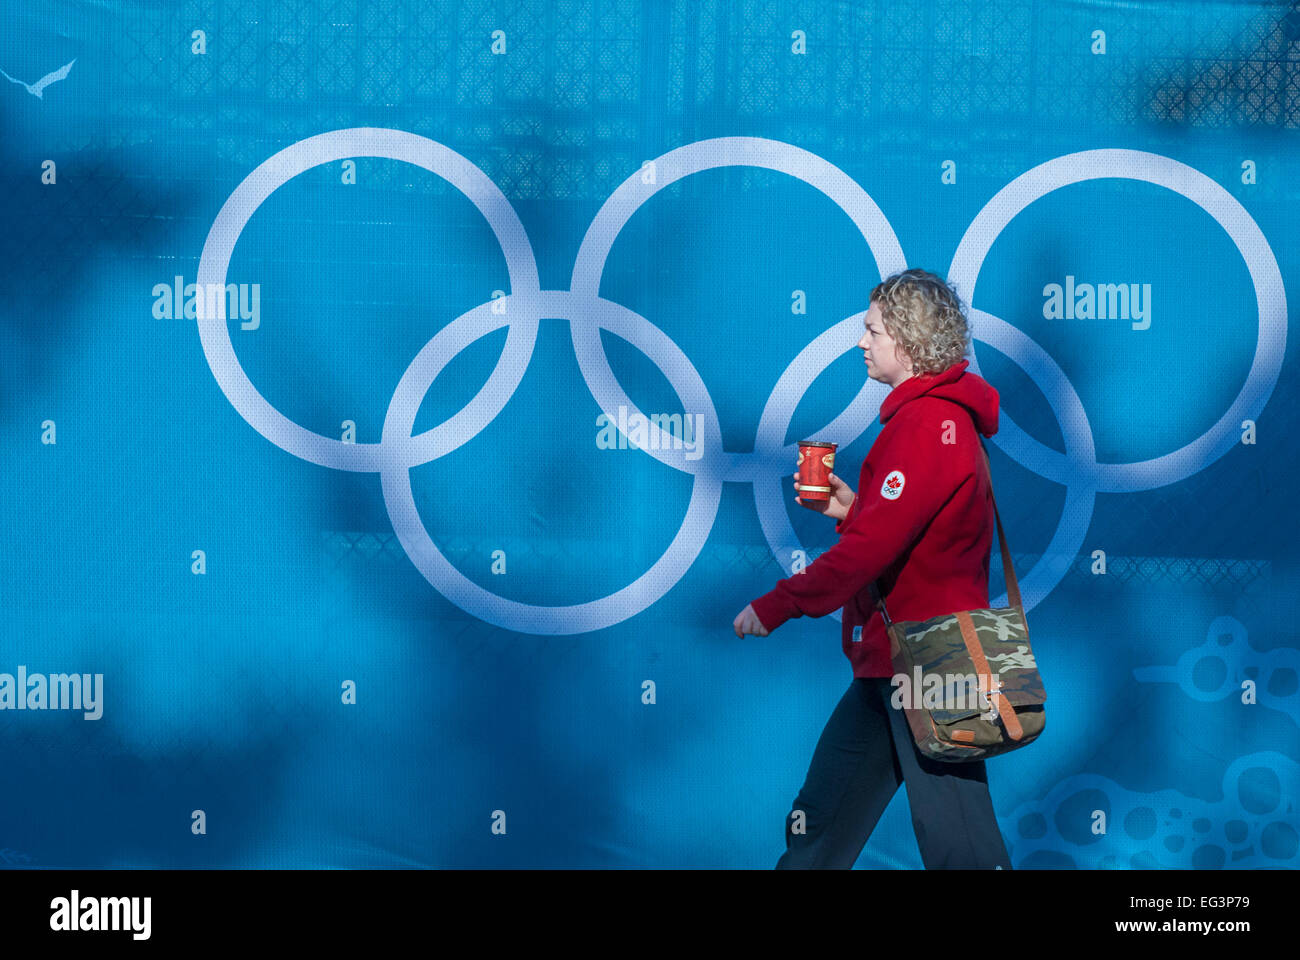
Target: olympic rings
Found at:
398, 451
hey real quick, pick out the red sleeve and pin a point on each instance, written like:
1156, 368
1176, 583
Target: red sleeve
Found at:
911, 474
848, 517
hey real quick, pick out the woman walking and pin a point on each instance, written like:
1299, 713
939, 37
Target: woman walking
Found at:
922, 526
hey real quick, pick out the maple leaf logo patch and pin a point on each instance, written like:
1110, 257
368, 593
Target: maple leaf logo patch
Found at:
892, 488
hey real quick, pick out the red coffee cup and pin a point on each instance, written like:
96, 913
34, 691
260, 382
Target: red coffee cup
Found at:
816, 461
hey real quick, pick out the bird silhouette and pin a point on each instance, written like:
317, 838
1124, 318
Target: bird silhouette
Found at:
37, 89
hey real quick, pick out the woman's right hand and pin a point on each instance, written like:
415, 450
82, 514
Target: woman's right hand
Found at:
837, 506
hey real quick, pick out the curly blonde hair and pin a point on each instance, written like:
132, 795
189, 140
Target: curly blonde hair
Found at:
925, 317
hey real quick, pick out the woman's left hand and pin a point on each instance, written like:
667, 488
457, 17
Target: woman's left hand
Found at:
747, 622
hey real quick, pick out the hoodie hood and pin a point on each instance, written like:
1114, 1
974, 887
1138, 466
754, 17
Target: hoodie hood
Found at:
969, 389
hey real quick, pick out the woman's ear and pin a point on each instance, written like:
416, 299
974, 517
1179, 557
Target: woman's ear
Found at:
903, 359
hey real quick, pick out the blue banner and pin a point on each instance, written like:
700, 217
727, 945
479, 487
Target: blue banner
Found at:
400, 402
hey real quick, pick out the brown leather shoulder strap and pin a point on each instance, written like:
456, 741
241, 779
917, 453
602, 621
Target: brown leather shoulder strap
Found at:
1008, 571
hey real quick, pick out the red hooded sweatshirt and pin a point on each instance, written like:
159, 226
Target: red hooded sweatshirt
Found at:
922, 521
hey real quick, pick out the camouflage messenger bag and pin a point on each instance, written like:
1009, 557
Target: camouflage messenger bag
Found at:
973, 689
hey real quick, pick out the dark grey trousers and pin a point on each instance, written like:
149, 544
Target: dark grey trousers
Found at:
863, 755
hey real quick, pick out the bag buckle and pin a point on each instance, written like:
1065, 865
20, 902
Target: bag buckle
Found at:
995, 685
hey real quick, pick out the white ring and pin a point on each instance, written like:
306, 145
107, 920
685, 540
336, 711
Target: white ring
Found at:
706, 492
1270, 295
283, 167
